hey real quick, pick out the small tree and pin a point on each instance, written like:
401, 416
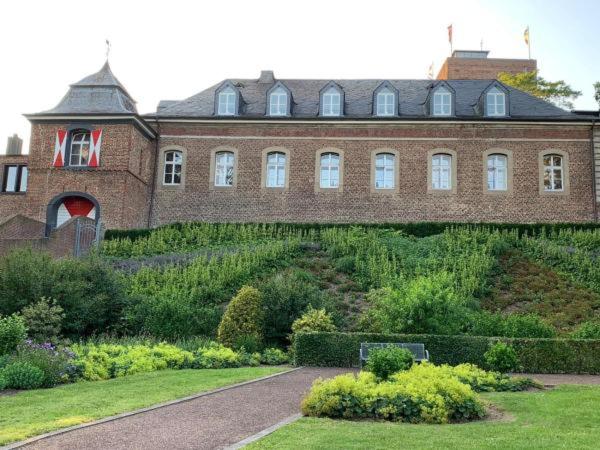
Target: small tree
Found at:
44, 320
243, 319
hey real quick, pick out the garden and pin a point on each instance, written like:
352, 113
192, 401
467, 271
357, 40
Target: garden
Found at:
189, 301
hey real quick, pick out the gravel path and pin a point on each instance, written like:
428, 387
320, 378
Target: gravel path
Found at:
211, 422
553, 380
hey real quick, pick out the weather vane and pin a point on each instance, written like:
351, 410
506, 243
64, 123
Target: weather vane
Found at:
107, 48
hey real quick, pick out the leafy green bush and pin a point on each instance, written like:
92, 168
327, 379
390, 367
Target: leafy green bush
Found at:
55, 363
243, 317
216, 357
22, 375
345, 264
314, 320
502, 357
43, 320
274, 357
587, 330
12, 332
383, 362
485, 323
3, 381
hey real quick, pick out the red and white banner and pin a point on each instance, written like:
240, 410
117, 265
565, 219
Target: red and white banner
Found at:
59, 148
95, 144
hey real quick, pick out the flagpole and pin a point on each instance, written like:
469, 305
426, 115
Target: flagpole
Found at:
529, 45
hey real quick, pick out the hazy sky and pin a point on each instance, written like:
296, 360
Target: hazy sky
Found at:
173, 49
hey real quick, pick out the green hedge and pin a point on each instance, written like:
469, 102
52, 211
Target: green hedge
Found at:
418, 229
536, 355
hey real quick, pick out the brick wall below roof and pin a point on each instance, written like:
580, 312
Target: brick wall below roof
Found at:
483, 69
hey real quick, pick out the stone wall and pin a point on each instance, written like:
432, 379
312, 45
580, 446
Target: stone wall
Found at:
483, 69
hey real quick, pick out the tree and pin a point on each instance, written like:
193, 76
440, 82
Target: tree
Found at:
597, 92
557, 92
243, 319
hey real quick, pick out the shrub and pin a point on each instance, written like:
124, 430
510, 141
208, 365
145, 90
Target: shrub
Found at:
502, 358
55, 363
273, 357
243, 317
485, 323
3, 382
22, 375
587, 330
216, 357
248, 344
12, 332
313, 320
43, 320
345, 264
383, 362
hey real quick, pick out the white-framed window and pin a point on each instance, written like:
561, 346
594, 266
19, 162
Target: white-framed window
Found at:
442, 102
172, 168
332, 102
227, 102
495, 102
15, 178
276, 162
441, 171
330, 170
497, 172
224, 167
553, 173
79, 151
386, 100
385, 171
278, 105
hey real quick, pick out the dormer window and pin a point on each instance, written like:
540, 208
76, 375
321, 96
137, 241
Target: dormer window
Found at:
495, 101
331, 102
386, 102
278, 102
227, 101
79, 150
442, 102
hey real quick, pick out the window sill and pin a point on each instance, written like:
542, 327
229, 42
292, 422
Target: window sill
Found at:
76, 168
12, 193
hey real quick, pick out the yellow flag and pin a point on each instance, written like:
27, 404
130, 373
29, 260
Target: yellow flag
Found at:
526, 35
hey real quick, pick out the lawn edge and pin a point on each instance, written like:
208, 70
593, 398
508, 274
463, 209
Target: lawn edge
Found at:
40, 437
263, 433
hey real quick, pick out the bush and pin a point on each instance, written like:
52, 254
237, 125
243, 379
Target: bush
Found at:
274, 357
345, 264
485, 323
243, 317
43, 320
12, 332
56, 364
3, 382
587, 330
22, 375
313, 320
216, 357
383, 362
502, 357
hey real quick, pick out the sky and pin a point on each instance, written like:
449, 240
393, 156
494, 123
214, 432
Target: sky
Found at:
168, 50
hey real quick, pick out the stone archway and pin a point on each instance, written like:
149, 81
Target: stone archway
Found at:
71, 204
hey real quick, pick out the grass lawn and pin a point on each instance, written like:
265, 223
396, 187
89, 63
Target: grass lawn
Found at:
565, 417
34, 412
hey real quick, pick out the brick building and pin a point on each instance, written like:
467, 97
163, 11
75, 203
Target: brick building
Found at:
265, 149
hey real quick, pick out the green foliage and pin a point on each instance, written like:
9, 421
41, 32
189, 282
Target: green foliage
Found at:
274, 357
313, 320
12, 332
502, 357
243, 317
345, 264
43, 320
597, 92
3, 381
383, 362
217, 357
55, 362
587, 330
22, 375
485, 323
557, 92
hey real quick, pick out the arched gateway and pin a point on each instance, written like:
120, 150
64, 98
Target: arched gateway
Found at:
71, 204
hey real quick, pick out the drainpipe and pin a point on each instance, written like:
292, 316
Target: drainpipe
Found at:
594, 173
155, 174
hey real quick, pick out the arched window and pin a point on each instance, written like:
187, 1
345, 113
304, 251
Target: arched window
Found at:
386, 100
385, 168
332, 102
553, 173
79, 151
441, 171
330, 170
497, 173
442, 102
172, 170
224, 166
227, 101
278, 102
495, 102
276, 169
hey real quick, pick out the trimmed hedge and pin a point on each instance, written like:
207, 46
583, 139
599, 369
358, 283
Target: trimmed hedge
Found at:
418, 229
535, 355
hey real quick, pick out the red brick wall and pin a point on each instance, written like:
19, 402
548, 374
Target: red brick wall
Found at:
483, 69
11, 203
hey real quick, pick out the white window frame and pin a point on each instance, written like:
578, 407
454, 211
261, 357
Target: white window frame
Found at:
385, 171
170, 167
278, 102
495, 103
224, 168
81, 142
332, 102
227, 101
442, 102
15, 178
278, 166
550, 175
437, 169
329, 164
386, 99
497, 174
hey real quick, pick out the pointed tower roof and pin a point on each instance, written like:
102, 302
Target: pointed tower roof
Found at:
99, 93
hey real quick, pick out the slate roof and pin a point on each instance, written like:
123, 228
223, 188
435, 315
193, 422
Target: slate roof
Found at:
359, 101
99, 93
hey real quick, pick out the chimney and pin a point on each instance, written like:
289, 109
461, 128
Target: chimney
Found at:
266, 77
14, 146
475, 65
